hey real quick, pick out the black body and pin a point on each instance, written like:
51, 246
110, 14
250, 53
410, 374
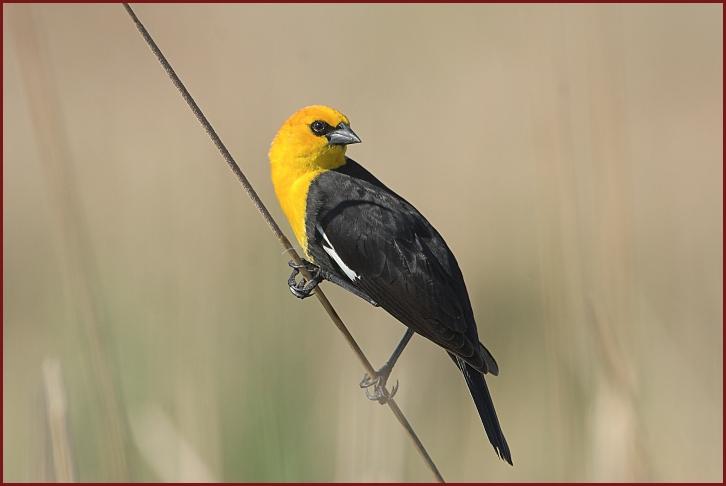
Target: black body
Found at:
403, 265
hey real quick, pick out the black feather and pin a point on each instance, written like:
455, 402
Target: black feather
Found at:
480, 394
403, 264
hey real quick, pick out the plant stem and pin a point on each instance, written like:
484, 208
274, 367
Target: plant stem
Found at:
277, 231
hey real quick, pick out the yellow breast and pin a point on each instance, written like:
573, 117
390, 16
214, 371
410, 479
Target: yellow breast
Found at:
292, 192
292, 177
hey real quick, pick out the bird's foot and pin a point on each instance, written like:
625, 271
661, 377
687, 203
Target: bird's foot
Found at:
375, 386
304, 288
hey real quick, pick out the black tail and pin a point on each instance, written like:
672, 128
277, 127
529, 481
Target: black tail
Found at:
480, 393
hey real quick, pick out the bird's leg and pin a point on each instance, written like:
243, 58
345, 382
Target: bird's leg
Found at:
378, 381
304, 288
347, 285
320, 275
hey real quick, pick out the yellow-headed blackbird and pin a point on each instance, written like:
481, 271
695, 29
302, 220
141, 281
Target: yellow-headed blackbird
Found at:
362, 236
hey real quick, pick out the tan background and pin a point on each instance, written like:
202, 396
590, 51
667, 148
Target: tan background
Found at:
571, 155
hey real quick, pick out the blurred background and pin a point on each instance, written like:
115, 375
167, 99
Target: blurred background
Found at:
571, 156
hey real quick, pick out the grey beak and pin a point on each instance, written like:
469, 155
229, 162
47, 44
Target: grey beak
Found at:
342, 135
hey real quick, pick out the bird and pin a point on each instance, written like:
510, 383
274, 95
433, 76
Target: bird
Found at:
358, 234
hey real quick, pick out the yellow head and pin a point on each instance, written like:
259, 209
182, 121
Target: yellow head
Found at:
313, 135
310, 142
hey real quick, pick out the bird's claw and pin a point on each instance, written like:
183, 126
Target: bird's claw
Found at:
375, 387
310, 267
304, 288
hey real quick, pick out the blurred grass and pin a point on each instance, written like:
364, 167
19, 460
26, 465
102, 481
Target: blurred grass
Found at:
571, 155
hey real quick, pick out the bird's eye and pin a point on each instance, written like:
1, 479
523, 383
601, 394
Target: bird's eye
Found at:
318, 127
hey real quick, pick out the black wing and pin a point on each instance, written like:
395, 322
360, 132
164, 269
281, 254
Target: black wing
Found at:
369, 235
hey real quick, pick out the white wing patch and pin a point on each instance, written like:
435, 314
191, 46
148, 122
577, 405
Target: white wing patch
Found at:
328, 247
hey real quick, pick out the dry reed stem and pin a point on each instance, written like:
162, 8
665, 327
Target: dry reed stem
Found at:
55, 407
259, 205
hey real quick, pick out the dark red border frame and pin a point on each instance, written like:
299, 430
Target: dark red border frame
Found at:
2, 173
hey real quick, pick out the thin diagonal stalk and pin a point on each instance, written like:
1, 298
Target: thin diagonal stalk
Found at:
277, 231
